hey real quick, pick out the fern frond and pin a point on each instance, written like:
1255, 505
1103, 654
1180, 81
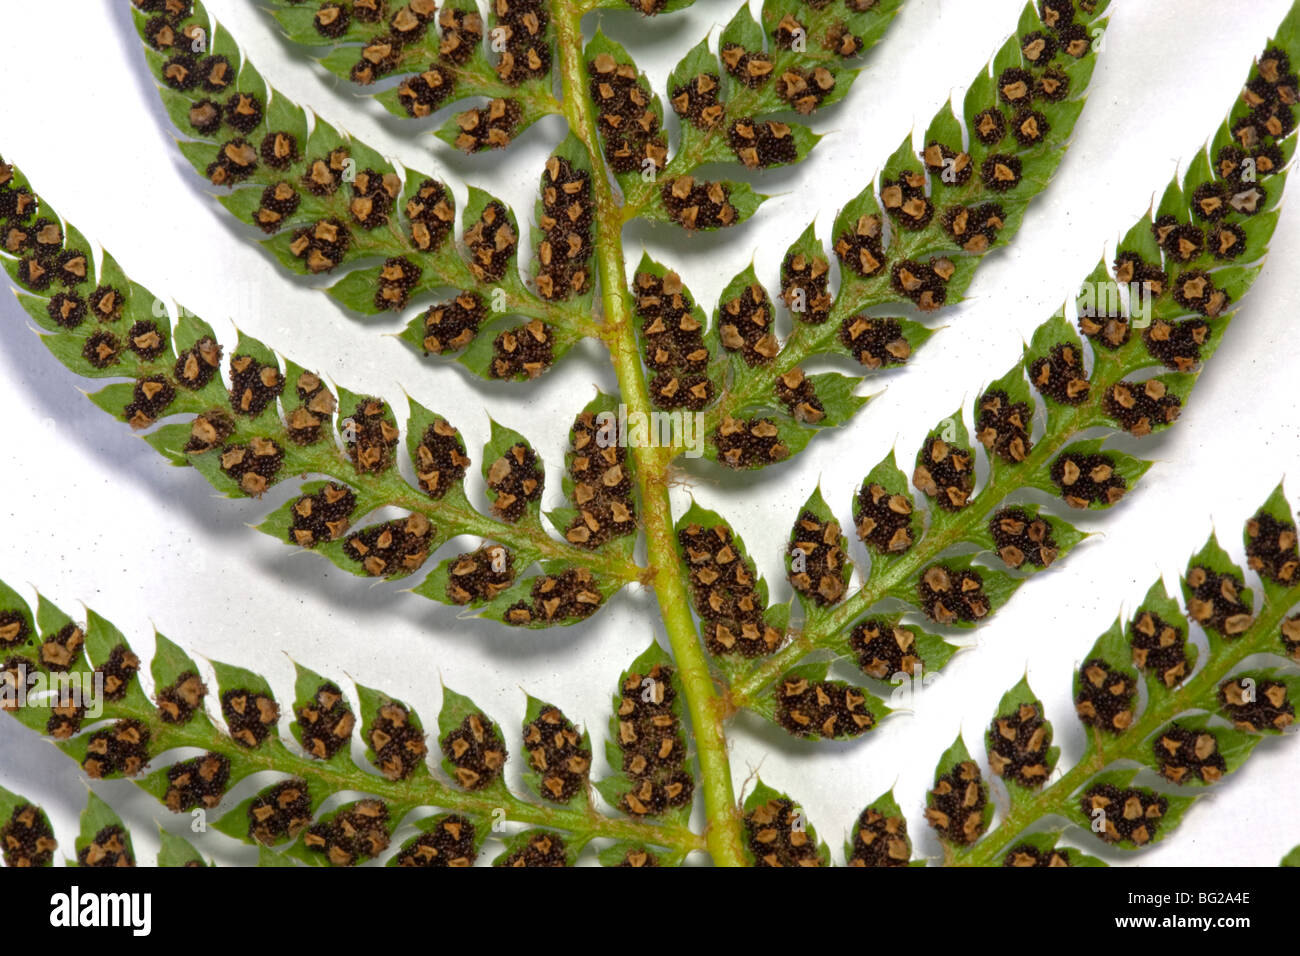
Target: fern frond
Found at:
277, 421
100, 680
734, 104
292, 174
778, 833
923, 256
1182, 269
1147, 758
26, 838
911, 243
326, 202
508, 59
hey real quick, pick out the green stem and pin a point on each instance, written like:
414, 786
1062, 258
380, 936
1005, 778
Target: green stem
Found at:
1104, 750
702, 701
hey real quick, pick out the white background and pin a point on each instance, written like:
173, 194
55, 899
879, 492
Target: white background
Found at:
89, 512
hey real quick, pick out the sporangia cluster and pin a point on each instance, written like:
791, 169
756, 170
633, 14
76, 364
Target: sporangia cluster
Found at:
1182, 755
1141, 407
325, 722
796, 392
1159, 647
118, 671
956, 804
515, 480
121, 749
629, 123
558, 754
449, 842
540, 848
884, 518
1271, 548
1255, 704
392, 548
492, 241
672, 338
356, 833
725, 594
479, 576
745, 325
61, 650
1290, 636
280, 813
570, 595
885, 648
1216, 602
254, 466
1019, 744
638, 857
198, 782
1026, 855
250, 716
564, 252
396, 741
1106, 698
26, 838
475, 751
1088, 479
370, 436
440, 459
600, 473
1059, 375
945, 473
451, 325
650, 736
830, 709
696, 101
523, 352
778, 836
321, 516
818, 562
524, 25
1128, 815
749, 442
109, 847
696, 204
875, 342
805, 286
488, 127
14, 629
1022, 538
880, 840
950, 595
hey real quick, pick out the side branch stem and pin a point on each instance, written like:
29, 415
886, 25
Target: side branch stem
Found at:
422, 790
746, 688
